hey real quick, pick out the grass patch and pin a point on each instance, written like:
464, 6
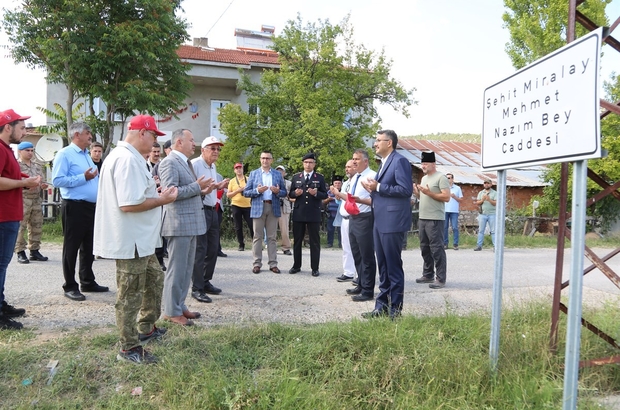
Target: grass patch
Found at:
414, 363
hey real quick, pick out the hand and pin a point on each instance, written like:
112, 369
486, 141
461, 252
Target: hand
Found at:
44, 185
312, 191
299, 191
223, 183
262, 188
90, 173
205, 183
168, 194
275, 189
423, 189
31, 182
369, 184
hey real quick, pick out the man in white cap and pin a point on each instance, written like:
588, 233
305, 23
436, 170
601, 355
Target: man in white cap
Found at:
33, 213
127, 228
207, 244
285, 217
12, 130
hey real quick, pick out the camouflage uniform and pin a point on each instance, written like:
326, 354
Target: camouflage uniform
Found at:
33, 213
140, 283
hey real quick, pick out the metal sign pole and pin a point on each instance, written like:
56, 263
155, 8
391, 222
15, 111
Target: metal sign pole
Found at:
573, 331
500, 233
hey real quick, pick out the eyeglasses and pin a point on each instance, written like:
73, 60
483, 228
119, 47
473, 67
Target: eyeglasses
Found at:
215, 148
153, 134
449, 177
487, 183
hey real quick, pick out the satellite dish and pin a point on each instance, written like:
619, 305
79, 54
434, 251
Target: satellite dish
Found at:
48, 146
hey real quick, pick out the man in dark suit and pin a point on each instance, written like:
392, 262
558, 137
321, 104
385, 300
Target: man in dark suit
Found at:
182, 221
309, 190
391, 192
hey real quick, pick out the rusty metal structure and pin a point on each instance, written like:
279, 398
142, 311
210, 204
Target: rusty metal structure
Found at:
575, 16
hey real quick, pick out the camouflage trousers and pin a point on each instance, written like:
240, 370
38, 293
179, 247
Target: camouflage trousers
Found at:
140, 282
33, 221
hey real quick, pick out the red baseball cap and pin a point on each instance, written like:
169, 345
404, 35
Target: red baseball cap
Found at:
9, 116
145, 122
238, 165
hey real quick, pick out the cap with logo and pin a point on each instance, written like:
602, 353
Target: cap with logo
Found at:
238, 165
211, 141
9, 116
146, 122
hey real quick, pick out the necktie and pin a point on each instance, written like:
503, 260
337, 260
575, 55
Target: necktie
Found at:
355, 184
191, 168
307, 179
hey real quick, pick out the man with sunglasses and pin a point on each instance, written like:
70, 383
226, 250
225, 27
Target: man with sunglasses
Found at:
452, 213
208, 244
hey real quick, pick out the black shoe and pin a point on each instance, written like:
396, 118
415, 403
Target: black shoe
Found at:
344, 278
315, 273
287, 252
11, 311
22, 258
294, 270
424, 279
163, 267
241, 248
354, 291
355, 282
361, 298
330, 245
211, 290
437, 285
375, 314
95, 288
75, 295
222, 254
155, 334
6, 323
36, 256
201, 297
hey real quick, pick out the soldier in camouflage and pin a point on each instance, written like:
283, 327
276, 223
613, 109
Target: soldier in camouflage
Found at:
33, 213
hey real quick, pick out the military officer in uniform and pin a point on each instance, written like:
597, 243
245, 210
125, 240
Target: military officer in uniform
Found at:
309, 190
33, 213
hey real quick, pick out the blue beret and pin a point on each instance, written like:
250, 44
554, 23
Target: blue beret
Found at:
24, 145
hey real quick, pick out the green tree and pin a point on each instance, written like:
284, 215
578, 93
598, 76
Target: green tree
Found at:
539, 27
322, 99
123, 52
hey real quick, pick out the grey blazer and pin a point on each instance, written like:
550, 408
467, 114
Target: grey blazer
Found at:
184, 216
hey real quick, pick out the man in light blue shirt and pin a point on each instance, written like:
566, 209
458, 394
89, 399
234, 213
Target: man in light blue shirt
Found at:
452, 213
75, 173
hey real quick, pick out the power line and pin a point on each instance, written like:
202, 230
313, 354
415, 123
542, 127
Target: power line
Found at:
218, 19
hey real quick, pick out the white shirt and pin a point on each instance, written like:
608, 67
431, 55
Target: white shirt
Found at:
267, 181
124, 181
201, 168
360, 191
453, 205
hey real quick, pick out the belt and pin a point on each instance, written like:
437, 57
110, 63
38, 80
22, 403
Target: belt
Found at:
267, 202
361, 215
208, 207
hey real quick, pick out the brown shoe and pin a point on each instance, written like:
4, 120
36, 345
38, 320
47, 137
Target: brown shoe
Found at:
256, 269
179, 320
274, 269
191, 315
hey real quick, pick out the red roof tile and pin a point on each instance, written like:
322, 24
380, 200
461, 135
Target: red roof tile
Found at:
222, 55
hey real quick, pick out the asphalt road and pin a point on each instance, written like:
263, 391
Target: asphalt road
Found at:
301, 298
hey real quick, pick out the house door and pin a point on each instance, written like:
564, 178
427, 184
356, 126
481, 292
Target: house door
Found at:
216, 106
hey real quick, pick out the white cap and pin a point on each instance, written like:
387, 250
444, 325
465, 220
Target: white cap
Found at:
211, 141
281, 167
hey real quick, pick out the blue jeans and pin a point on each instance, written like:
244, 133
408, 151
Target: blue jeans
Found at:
452, 218
482, 221
331, 230
8, 236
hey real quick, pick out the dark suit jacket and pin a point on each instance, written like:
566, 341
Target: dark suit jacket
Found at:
307, 208
392, 204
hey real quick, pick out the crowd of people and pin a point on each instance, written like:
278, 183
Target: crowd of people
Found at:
137, 209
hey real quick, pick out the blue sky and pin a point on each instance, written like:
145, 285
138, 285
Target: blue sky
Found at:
449, 50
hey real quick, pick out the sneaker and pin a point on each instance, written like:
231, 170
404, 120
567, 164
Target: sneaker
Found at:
355, 282
136, 355
477, 248
22, 258
6, 323
11, 311
155, 334
437, 285
344, 278
287, 252
456, 247
424, 279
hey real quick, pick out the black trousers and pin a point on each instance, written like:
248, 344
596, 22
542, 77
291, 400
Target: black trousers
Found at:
299, 229
207, 247
78, 226
363, 251
239, 215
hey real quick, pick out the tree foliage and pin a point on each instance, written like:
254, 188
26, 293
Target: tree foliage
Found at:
322, 100
123, 52
539, 27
